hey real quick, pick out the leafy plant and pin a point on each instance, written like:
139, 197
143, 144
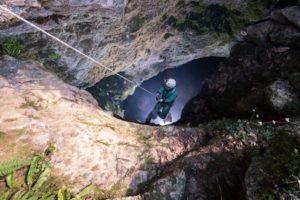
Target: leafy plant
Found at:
85, 192
54, 56
33, 169
8, 167
280, 169
10, 180
11, 47
50, 150
42, 177
36, 177
168, 35
60, 195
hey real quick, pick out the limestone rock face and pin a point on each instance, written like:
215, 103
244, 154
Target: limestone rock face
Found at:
268, 52
138, 38
121, 158
126, 36
280, 94
37, 109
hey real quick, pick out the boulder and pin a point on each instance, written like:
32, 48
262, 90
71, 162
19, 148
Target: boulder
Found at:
295, 80
92, 146
292, 14
274, 174
280, 94
283, 98
171, 187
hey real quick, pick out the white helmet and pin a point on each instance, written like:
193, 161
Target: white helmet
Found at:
170, 83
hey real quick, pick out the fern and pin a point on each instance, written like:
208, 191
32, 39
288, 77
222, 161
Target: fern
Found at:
42, 178
12, 47
50, 150
8, 167
34, 168
85, 192
60, 195
10, 180
18, 195
4, 195
37, 175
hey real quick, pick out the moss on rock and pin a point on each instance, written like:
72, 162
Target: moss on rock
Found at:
275, 175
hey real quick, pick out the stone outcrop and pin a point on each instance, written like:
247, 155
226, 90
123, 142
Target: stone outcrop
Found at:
280, 95
121, 158
247, 79
137, 38
37, 110
123, 36
275, 174
170, 187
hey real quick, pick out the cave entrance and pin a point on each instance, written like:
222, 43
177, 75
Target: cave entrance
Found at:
189, 78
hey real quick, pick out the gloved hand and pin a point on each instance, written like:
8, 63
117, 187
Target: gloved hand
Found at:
160, 100
158, 97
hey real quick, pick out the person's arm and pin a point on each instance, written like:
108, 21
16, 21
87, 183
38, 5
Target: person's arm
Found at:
159, 94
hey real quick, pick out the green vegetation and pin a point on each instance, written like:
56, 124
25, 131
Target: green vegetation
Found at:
218, 19
281, 169
10, 180
148, 163
136, 23
242, 128
11, 47
8, 167
168, 35
202, 19
37, 184
36, 176
50, 150
54, 56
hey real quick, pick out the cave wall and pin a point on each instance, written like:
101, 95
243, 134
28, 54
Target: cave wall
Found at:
124, 158
261, 74
139, 38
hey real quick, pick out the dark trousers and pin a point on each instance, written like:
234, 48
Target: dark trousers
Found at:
161, 109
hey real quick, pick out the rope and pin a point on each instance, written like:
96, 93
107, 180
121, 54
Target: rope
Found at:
70, 47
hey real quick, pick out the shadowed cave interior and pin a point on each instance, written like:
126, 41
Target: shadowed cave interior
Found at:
189, 78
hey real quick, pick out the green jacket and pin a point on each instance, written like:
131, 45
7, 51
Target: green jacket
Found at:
168, 96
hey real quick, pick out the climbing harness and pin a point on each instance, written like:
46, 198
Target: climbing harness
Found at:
73, 48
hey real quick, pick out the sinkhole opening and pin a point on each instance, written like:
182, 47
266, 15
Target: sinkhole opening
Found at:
189, 78
136, 107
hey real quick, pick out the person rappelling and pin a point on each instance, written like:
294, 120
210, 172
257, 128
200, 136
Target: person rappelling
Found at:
165, 99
